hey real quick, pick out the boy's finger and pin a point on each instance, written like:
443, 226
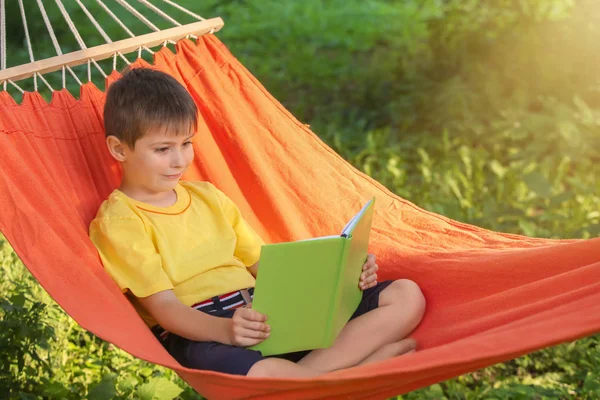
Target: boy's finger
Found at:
254, 315
252, 334
369, 262
256, 326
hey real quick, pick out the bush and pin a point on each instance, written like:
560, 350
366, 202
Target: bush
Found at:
46, 355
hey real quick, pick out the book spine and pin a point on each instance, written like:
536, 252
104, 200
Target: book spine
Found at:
329, 334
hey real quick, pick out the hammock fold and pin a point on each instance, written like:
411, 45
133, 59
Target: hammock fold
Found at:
490, 296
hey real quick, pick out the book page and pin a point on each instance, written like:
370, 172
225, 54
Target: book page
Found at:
318, 238
352, 223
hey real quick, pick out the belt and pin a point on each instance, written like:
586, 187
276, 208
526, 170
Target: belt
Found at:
227, 301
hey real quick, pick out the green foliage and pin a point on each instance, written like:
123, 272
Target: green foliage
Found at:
46, 355
487, 112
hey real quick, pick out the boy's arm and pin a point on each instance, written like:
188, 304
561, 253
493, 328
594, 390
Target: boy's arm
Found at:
254, 269
246, 328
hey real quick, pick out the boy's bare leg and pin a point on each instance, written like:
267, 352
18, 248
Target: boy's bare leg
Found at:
280, 368
390, 350
401, 307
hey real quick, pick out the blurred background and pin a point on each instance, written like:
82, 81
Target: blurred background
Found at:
485, 111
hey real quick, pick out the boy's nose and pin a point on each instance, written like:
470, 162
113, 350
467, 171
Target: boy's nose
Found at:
177, 160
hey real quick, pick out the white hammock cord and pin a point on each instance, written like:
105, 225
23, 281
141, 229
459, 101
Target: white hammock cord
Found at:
117, 20
139, 16
74, 30
16, 86
3, 39
185, 10
49, 27
29, 49
45, 81
99, 69
159, 12
55, 43
74, 75
94, 22
115, 60
78, 37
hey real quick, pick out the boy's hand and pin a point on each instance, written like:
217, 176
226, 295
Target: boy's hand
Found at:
248, 327
368, 278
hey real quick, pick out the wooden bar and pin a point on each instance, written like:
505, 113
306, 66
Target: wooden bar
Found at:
104, 51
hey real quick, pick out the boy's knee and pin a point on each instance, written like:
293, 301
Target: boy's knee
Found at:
406, 293
277, 367
263, 368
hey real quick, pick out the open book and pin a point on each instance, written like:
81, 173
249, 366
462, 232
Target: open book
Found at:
309, 289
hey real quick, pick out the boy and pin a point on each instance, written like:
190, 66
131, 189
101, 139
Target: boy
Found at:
186, 259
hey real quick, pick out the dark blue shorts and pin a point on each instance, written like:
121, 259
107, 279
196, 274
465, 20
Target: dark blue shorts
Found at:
215, 356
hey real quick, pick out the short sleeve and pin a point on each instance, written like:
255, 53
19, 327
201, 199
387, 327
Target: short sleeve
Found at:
129, 256
248, 243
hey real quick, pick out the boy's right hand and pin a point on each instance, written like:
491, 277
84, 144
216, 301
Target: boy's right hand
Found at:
248, 327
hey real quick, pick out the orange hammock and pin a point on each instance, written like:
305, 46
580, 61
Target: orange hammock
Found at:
491, 296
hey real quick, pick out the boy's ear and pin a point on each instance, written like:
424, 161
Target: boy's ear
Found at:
116, 148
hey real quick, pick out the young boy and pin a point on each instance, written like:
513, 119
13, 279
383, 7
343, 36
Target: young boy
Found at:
186, 259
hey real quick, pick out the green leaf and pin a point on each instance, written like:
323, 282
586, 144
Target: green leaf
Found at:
55, 390
527, 227
538, 184
127, 384
159, 389
497, 169
166, 390
105, 389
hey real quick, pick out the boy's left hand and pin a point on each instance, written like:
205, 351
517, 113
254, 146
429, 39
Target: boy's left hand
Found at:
368, 278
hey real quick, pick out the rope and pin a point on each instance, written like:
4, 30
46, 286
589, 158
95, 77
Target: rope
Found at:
115, 60
3, 39
74, 76
94, 22
185, 10
99, 69
117, 20
16, 86
139, 16
55, 43
74, 30
29, 49
78, 36
159, 12
49, 27
45, 81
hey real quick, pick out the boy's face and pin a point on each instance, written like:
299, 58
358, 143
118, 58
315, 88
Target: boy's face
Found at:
157, 161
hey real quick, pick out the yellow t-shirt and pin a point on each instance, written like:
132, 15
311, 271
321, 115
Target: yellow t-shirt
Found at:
199, 247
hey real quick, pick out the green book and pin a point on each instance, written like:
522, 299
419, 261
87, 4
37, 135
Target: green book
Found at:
309, 289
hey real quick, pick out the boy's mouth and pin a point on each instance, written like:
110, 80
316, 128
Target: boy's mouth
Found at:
176, 176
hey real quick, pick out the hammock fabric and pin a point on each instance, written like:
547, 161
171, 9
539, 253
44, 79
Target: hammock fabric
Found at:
491, 296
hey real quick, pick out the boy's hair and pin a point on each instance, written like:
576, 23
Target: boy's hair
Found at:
145, 99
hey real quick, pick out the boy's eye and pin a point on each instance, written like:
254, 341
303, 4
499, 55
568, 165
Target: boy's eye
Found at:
161, 150
187, 143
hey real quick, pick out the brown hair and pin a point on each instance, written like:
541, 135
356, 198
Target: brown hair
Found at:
145, 99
